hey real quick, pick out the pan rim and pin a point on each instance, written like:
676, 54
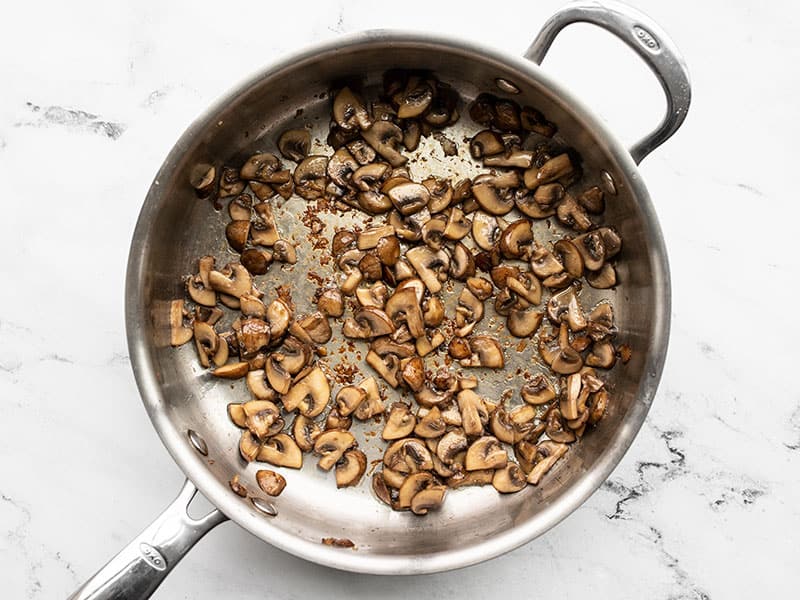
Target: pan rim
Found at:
195, 469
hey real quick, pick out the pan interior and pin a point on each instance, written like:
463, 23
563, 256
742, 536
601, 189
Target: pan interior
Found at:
175, 228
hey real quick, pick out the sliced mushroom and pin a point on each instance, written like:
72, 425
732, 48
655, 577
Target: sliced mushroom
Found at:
486, 143
282, 451
270, 482
257, 384
555, 168
516, 239
564, 306
386, 366
411, 487
349, 111
384, 137
539, 390
428, 265
409, 197
369, 322
237, 284
450, 445
415, 99
569, 256
468, 312
241, 207
509, 479
403, 307
485, 453
407, 455
305, 432
550, 452
603, 279
256, 261
373, 405
457, 226
525, 285
252, 335
432, 425
470, 406
317, 327
229, 183
341, 167
235, 370
441, 194
310, 394
412, 133
602, 355
294, 144
283, 251
331, 446
523, 323
350, 468
490, 200
485, 230
592, 200
572, 214
400, 422
469, 478
430, 498
310, 177
592, 249
486, 352
264, 167
330, 302
179, 332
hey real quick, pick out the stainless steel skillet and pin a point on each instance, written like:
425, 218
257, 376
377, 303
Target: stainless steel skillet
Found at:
187, 407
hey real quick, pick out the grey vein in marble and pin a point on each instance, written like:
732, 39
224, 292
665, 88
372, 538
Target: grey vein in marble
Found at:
73, 119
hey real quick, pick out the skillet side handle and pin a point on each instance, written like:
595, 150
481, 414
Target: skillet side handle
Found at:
140, 567
648, 40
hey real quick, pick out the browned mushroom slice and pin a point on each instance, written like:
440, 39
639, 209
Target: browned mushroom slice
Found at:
263, 167
602, 355
310, 394
373, 404
485, 453
400, 422
235, 370
564, 306
403, 307
282, 451
503, 427
236, 284
305, 432
331, 446
341, 167
514, 157
516, 239
380, 488
349, 398
429, 265
597, 407
539, 390
509, 479
550, 452
480, 287
412, 372
387, 366
407, 455
533, 120
249, 446
485, 143
310, 177
393, 479
432, 425
330, 302
555, 168
415, 99
486, 352
458, 225
413, 485
592, 249
237, 232
230, 184
202, 179
525, 285
317, 327
601, 322
470, 406
349, 111
252, 335
566, 360
572, 214
441, 194
569, 256
470, 478
592, 200
603, 279
450, 445
350, 468
430, 498
523, 323
490, 199
369, 322
180, 333
294, 144
468, 312
412, 133
336, 421
384, 137
270, 482
409, 197
485, 230
256, 260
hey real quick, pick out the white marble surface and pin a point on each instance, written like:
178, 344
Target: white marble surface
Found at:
704, 505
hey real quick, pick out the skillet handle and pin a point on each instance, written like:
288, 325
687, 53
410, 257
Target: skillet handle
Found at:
648, 40
140, 567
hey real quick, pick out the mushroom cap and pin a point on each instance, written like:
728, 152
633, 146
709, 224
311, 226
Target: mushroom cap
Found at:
367, 323
539, 390
432, 425
451, 443
485, 230
281, 451
487, 196
310, 394
400, 422
305, 432
412, 485
509, 479
408, 455
348, 398
516, 239
294, 144
270, 482
486, 453
350, 468
331, 446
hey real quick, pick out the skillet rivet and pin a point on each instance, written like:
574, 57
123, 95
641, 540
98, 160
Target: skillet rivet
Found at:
264, 507
197, 442
504, 85
607, 182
